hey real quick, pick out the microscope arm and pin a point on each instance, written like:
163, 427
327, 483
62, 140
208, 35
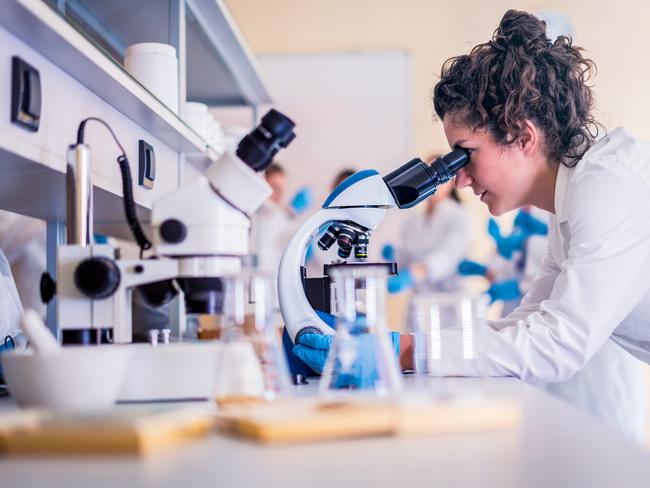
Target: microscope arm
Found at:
297, 312
299, 316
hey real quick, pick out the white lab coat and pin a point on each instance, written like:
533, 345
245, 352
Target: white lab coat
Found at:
272, 227
611, 386
22, 239
440, 241
595, 278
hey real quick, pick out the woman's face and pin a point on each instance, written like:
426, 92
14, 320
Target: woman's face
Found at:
499, 174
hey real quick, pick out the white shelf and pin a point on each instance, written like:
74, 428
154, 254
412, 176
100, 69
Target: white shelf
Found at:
216, 50
44, 30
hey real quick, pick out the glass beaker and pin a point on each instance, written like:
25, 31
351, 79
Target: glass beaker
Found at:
251, 364
361, 356
448, 330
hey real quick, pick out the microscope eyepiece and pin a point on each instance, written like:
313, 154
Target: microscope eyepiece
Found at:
416, 180
446, 166
259, 146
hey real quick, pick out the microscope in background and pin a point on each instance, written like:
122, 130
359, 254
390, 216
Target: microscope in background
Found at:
200, 234
348, 217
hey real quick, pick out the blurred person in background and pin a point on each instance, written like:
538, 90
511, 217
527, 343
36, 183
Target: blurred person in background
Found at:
317, 258
23, 241
431, 245
274, 223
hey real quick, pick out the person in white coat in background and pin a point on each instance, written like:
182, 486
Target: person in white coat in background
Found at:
23, 241
274, 223
431, 244
317, 258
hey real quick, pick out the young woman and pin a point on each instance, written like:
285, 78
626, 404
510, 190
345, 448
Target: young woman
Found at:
522, 106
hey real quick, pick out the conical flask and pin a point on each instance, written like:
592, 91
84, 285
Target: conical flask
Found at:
361, 356
251, 366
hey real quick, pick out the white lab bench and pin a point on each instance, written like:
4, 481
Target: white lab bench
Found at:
555, 446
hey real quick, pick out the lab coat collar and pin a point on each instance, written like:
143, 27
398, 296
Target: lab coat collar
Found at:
561, 192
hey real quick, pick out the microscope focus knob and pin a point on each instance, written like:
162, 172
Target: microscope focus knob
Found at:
97, 277
173, 231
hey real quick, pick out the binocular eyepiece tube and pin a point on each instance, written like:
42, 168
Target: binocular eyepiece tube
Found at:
416, 180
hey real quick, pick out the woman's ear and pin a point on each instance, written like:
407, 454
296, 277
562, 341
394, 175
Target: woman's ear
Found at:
530, 137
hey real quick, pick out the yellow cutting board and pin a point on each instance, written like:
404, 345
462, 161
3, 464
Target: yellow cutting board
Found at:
301, 420
118, 431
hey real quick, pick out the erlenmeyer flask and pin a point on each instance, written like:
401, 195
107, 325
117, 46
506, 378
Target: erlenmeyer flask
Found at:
361, 356
251, 366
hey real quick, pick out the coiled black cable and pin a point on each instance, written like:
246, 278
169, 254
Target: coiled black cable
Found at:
127, 187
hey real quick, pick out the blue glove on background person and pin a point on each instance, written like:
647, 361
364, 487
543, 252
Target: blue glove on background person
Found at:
530, 224
402, 281
313, 349
504, 290
388, 252
507, 246
7, 343
302, 200
468, 267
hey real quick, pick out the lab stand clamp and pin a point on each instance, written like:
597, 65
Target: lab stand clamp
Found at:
200, 234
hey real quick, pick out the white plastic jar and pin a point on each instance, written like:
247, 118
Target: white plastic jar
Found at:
196, 115
155, 65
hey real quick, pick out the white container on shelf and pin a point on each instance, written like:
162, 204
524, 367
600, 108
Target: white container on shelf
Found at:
196, 115
155, 65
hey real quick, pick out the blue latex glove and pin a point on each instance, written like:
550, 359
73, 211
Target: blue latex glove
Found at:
494, 230
100, 239
6, 344
504, 290
401, 281
530, 225
314, 348
471, 268
507, 246
302, 200
388, 252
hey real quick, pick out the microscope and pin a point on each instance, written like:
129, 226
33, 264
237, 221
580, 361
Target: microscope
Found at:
347, 218
200, 235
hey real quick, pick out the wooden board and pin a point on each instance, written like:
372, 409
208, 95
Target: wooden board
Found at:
119, 431
301, 420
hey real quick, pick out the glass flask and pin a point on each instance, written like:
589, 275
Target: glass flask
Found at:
361, 357
448, 330
251, 365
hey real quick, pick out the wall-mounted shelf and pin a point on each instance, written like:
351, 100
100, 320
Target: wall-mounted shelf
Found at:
216, 50
220, 69
44, 30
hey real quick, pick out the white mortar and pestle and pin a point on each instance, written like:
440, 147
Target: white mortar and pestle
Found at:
70, 378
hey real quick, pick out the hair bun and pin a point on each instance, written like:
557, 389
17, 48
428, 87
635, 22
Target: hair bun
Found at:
521, 29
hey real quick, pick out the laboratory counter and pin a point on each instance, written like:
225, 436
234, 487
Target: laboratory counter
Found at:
555, 446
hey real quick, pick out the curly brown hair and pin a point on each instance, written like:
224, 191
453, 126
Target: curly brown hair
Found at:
521, 75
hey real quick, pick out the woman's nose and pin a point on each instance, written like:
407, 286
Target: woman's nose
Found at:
462, 179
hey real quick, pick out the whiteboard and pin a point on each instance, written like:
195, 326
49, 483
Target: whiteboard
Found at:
351, 110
